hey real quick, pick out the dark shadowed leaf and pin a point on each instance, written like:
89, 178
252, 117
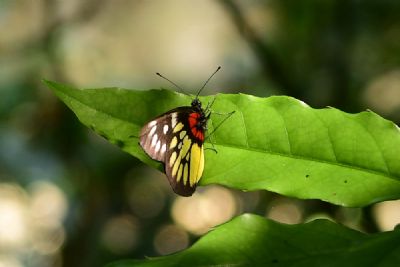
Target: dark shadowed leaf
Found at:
250, 240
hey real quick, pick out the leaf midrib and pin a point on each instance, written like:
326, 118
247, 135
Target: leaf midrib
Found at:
312, 160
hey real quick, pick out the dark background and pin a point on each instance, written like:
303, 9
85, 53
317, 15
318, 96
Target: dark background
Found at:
68, 198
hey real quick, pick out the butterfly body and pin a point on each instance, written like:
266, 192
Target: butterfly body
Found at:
176, 138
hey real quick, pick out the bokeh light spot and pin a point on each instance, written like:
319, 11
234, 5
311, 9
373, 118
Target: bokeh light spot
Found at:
146, 196
49, 204
120, 234
48, 240
383, 93
387, 214
204, 210
13, 216
9, 261
284, 211
170, 239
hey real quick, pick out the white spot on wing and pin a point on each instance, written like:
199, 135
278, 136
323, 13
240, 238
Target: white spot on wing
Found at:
163, 148
158, 146
165, 129
173, 120
153, 130
154, 140
152, 123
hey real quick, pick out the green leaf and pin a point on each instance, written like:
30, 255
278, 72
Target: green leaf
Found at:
251, 240
278, 143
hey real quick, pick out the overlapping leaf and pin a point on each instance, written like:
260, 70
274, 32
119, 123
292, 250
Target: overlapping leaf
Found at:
277, 143
250, 240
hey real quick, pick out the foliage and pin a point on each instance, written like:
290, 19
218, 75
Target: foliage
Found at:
250, 240
279, 144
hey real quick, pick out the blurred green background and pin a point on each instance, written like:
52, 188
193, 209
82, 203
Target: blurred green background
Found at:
68, 198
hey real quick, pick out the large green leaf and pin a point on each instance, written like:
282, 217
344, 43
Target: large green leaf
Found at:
250, 240
277, 143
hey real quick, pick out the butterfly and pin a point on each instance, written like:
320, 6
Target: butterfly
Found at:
176, 138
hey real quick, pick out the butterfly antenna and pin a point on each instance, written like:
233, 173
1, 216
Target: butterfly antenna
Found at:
204, 85
177, 86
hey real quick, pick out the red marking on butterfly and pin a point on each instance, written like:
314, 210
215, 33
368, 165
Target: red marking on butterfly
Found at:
196, 126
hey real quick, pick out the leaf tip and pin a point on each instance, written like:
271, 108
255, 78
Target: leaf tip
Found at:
50, 84
45, 81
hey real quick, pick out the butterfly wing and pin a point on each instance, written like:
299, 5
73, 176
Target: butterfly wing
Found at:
169, 139
155, 137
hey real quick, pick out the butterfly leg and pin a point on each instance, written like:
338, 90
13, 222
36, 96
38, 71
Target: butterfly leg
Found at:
212, 148
209, 135
228, 115
209, 105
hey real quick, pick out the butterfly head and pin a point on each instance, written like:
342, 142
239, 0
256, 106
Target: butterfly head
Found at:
196, 104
